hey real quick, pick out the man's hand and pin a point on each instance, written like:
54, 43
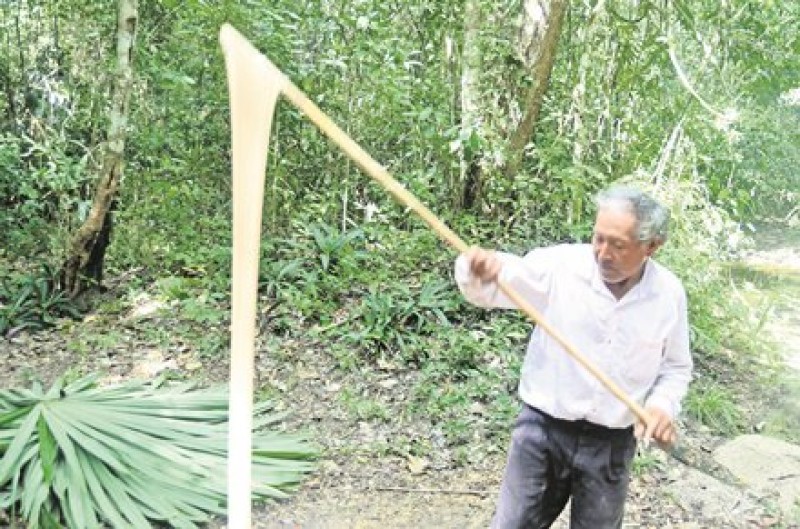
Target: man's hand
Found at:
660, 428
483, 264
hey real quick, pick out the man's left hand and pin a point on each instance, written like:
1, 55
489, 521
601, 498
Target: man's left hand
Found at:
660, 428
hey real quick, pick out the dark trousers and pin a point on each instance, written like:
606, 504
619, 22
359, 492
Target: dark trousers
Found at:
551, 460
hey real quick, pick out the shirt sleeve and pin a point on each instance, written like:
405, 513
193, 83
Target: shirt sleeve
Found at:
676, 367
529, 276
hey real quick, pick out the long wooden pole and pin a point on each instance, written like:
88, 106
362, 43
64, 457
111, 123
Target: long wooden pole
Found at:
254, 90
382, 176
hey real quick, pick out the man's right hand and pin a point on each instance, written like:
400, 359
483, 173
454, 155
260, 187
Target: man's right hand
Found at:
660, 428
483, 264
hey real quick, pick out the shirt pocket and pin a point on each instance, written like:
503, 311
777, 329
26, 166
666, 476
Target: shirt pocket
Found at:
642, 362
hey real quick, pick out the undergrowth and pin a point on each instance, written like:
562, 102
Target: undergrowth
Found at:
32, 301
377, 293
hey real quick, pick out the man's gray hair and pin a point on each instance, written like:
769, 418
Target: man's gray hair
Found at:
652, 217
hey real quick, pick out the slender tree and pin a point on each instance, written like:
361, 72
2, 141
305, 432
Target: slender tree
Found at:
471, 172
540, 33
497, 114
84, 262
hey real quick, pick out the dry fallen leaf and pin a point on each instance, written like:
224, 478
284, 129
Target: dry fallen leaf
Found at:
417, 465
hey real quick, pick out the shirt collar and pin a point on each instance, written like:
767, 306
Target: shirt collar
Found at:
646, 285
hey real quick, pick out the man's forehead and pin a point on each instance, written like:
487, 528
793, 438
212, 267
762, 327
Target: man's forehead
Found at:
614, 222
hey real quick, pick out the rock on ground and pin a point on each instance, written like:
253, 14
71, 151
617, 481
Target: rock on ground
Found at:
712, 499
767, 465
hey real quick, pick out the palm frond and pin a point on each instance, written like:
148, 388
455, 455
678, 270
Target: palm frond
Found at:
132, 455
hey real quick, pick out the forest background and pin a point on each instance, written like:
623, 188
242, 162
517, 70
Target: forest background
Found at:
504, 116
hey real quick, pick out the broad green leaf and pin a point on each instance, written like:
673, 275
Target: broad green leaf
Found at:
12, 458
47, 449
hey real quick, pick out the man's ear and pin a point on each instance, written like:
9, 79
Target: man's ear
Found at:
653, 246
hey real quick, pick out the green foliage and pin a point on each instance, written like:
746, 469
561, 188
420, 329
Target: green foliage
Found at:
39, 182
333, 248
715, 406
395, 319
469, 368
51, 118
645, 462
614, 96
33, 302
362, 407
176, 287
769, 154
202, 310
132, 455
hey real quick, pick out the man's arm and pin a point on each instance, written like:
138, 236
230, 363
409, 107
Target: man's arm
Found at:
664, 402
478, 270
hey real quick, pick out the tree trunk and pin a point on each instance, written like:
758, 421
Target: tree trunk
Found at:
471, 173
540, 33
84, 262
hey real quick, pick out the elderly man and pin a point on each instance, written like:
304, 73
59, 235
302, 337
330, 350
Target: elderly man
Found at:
624, 312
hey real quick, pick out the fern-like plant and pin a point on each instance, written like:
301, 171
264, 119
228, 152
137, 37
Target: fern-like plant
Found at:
86, 456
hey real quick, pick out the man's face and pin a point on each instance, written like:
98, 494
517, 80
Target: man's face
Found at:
617, 250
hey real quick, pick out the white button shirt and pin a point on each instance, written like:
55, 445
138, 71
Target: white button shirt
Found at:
640, 341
